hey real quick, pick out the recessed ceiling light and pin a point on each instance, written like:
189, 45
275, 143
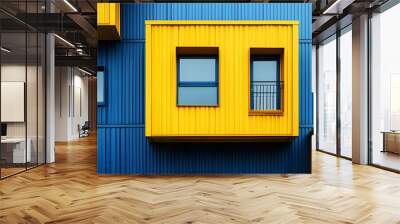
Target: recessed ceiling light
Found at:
5, 50
64, 40
337, 7
84, 71
70, 5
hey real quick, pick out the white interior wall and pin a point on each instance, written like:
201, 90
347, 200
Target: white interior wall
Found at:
61, 103
80, 110
16, 72
71, 102
13, 101
33, 126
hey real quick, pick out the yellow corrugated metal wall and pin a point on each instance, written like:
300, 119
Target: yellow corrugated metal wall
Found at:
234, 40
108, 21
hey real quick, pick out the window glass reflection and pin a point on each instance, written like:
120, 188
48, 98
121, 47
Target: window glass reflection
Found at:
385, 89
327, 96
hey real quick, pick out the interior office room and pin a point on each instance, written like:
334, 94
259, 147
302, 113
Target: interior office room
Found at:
23, 99
74, 87
384, 90
333, 52
226, 111
28, 56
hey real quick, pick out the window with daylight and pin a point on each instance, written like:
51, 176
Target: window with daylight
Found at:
265, 83
197, 79
101, 87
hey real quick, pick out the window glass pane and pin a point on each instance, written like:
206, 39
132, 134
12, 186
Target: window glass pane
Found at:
265, 95
265, 86
18, 151
197, 69
346, 94
100, 87
32, 100
385, 88
327, 96
198, 96
394, 101
265, 71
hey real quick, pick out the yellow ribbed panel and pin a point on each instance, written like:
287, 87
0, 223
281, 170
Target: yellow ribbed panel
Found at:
231, 118
108, 21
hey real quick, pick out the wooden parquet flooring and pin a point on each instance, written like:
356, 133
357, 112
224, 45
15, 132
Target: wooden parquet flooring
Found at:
70, 191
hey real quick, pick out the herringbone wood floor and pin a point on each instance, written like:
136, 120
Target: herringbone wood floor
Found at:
70, 191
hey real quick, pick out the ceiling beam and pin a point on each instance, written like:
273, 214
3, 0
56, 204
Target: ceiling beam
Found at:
81, 61
84, 24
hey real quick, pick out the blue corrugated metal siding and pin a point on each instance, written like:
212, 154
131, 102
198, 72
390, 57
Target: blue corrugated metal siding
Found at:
305, 88
133, 16
126, 150
122, 145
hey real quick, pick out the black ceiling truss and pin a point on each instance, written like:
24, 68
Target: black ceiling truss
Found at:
78, 28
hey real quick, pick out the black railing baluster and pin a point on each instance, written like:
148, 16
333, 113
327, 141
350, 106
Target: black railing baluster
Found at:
266, 95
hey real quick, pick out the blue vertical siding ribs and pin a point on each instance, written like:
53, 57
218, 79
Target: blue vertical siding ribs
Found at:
126, 150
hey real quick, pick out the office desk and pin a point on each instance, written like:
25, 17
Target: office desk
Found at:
15, 148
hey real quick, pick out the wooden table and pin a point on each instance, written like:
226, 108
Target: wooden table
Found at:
391, 141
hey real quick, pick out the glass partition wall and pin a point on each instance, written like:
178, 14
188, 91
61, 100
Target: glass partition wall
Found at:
385, 90
326, 140
334, 93
345, 61
13, 86
22, 107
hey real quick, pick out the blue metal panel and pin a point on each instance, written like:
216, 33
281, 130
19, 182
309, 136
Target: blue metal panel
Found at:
100, 151
124, 67
122, 145
305, 85
204, 158
134, 15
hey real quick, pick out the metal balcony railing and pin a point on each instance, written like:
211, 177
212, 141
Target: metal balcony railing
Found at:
266, 95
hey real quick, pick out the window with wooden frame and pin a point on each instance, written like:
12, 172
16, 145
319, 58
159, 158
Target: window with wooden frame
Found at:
266, 82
